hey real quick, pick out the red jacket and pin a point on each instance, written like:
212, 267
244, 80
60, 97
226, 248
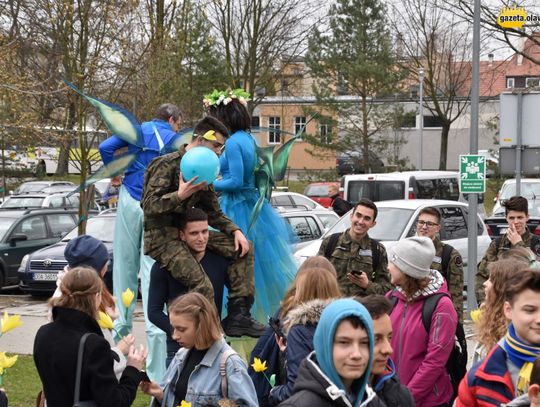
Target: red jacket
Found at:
488, 383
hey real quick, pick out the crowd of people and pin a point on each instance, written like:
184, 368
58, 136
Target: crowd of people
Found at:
353, 326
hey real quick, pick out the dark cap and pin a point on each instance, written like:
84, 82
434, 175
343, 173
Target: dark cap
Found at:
86, 250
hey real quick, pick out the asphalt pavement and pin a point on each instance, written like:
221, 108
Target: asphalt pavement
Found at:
33, 314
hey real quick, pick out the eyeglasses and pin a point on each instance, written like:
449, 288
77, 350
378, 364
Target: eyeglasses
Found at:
426, 223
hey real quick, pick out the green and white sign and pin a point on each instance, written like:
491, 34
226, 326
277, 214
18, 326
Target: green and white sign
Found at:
472, 174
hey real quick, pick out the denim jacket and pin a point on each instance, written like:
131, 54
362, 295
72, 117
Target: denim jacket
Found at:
204, 385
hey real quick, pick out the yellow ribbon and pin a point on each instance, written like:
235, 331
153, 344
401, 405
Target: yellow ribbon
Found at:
210, 135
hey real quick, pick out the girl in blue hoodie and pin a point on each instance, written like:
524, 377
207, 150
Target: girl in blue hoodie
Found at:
336, 373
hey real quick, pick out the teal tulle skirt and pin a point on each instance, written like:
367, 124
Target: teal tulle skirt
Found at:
272, 237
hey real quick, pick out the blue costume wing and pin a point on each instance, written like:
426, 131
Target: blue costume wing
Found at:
184, 136
119, 121
271, 168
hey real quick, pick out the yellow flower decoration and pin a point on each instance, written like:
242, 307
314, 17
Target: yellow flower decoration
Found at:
476, 315
6, 362
10, 322
127, 297
185, 403
258, 365
105, 320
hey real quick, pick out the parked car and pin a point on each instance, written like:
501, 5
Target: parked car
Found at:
497, 224
406, 185
25, 231
38, 271
397, 220
308, 225
352, 162
60, 200
293, 200
318, 191
529, 188
32, 187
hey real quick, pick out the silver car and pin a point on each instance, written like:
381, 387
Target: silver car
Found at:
397, 220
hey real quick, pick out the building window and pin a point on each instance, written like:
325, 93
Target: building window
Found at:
532, 82
325, 131
510, 82
300, 124
255, 121
432, 121
274, 124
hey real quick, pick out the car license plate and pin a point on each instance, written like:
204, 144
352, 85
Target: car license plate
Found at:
45, 276
502, 231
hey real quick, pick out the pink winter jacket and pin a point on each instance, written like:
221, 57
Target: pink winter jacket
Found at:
420, 358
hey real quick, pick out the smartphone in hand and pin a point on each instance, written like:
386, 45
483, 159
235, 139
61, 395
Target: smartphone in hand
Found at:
357, 272
274, 324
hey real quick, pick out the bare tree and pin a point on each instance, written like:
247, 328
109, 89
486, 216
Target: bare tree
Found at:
260, 38
498, 35
436, 42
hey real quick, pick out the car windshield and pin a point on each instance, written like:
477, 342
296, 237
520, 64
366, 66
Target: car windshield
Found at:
100, 227
528, 190
389, 227
23, 202
30, 188
5, 224
317, 190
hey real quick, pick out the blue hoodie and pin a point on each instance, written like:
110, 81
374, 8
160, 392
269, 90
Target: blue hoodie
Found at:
323, 341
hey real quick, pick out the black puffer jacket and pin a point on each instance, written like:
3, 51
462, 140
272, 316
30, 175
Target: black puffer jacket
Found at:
314, 389
393, 393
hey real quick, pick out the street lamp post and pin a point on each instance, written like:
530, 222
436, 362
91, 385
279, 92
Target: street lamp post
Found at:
421, 80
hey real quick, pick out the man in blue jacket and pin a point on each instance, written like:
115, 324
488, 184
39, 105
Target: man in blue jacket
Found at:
128, 235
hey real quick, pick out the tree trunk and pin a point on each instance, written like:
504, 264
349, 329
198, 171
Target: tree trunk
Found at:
63, 155
444, 146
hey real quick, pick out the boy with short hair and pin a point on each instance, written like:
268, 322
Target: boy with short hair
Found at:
384, 379
517, 235
506, 371
337, 372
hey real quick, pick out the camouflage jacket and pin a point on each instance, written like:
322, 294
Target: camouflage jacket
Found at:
493, 254
453, 275
161, 204
352, 255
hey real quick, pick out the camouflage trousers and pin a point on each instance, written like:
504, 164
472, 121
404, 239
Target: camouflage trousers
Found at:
179, 261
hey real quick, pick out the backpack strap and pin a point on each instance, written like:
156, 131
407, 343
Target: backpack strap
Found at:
375, 253
331, 246
534, 241
393, 301
445, 261
428, 308
223, 371
497, 244
78, 372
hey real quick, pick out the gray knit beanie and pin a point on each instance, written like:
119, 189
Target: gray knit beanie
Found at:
413, 256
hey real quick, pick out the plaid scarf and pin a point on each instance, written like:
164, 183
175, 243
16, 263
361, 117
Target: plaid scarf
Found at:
436, 281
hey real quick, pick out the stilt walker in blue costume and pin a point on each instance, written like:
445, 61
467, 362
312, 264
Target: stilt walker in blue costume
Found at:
248, 173
144, 142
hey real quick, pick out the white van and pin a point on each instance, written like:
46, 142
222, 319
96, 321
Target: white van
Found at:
404, 185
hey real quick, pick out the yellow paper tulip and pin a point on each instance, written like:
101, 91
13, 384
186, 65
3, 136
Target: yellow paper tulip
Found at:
259, 366
476, 315
185, 403
127, 297
6, 362
105, 320
10, 322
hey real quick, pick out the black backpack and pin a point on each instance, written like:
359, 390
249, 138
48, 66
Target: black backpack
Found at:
457, 362
374, 243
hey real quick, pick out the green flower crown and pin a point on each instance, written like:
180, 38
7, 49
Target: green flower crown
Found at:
224, 97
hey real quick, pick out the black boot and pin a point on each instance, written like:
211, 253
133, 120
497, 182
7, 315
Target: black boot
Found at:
239, 321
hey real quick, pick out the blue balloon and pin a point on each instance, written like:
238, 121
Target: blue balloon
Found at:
201, 162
